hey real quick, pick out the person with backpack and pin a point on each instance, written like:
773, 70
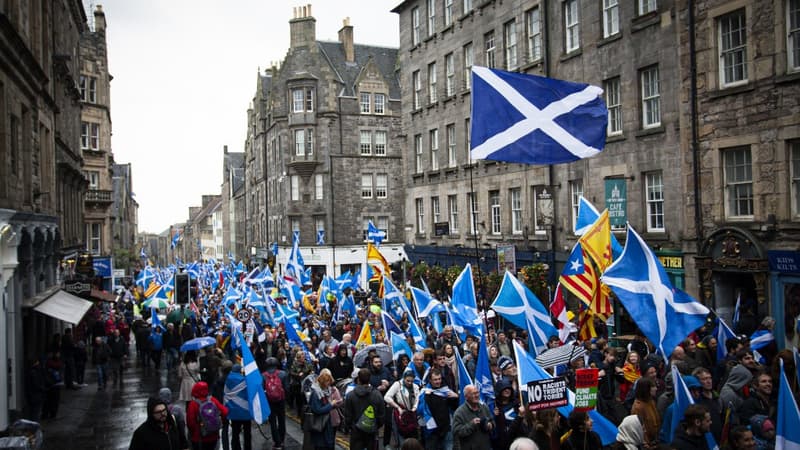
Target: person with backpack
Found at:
204, 417
275, 387
403, 397
364, 412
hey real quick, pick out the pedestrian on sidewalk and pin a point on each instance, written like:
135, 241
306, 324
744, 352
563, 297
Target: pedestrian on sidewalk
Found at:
176, 409
172, 345
101, 354
54, 380
159, 431
141, 332
35, 390
201, 429
68, 356
276, 385
364, 411
119, 354
156, 340
81, 357
238, 413
189, 373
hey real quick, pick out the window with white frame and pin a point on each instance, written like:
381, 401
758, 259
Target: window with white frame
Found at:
381, 185
533, 28
417, 82
467, 51
614, 105
365, 227
302, 100
420, 215
418, 153
432, 97
319, 223
651, 97
646, 6
450, 75
380, 143
294, 224
516, 210
433, 137
494, 211
654, 185
84, 136
319, 187
452, 207
431, 17
575, 193
793, 34
732, 30
365, 143
383, 225
380, 104
489, 48
794, 149
415, 32
365, 103
294, 187
467, 6
366, 186
90, 136
472, 204
435, 210
572, 40
610, 18
448, 13
304, 142
94, 238
510, 44
738, 182
88, 88
94, 179
451, 145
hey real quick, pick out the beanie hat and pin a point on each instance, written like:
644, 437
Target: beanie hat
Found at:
504, 362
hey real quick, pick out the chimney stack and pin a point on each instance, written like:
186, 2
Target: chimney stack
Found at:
99, 20
346, 39
302, 28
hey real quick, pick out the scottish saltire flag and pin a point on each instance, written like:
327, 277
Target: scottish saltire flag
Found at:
521, 118
296, 236
154, 320
292, 292
464, 305
587, 216
722, 333
320, 237
483, 374
145, 277
259, 407
295, 266
231, 297
374, 234
788, 427
389, 325
142, 254
464, 379
736, 311
760, 339
344, 281
176, 238
664, 314
425, 303
425, 412
348, 305
529, 371
399, 345
393, 300
236, 399
517, 304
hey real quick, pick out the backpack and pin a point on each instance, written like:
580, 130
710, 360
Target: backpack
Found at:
407, 423
366, 421
209, 417
273, 387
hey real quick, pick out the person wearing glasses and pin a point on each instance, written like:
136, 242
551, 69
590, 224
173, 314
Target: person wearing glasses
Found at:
159, 431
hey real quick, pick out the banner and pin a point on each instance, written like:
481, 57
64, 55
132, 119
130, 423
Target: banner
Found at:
548, 393
585, 389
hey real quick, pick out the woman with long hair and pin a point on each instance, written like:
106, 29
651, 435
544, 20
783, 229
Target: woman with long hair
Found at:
644, 406
322, 405
545, 432
189, 374
630, 373
581, 436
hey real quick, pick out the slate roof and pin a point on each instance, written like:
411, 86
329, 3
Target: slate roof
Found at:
385, 59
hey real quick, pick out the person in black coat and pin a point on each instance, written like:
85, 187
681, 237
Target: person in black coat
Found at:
581, 436
159, 431
691, 435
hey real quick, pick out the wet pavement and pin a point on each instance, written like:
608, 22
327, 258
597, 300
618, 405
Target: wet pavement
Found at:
93, 419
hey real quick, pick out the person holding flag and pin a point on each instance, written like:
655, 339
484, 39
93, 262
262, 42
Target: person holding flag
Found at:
437, 404
235, 396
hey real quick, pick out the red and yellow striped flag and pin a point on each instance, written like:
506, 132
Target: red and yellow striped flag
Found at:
597, 241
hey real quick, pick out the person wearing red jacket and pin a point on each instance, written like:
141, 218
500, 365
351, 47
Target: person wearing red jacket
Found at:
199, 395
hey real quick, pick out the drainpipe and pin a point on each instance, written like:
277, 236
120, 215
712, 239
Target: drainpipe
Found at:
698, 220
550, 171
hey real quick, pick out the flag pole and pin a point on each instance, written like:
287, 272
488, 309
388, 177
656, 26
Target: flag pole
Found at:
474, 226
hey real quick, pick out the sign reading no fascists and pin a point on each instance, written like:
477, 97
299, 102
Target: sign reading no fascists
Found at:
549, 393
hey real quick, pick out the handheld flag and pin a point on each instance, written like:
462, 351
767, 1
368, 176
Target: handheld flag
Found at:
597, 241
483, 374
365, 337
425, 303
464, 305
400, 346
760, 339
723, 333
736, 311
521, 118
580, 278
664, 314
788, 427
464, 379
154, 320
517, 304
374, 234
259, 406
558, 308
587, 216
176, 238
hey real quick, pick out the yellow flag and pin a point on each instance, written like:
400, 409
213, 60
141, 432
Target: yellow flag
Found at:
597, 241
365, 338
375, 258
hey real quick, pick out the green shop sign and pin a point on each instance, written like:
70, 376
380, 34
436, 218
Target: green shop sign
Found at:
617, 201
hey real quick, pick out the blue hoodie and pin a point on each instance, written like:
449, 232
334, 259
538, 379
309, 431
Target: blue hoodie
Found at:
236, 395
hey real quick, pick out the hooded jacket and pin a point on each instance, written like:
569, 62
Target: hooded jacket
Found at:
739, 377
199, 395
151, 436
358, 400
630, 433
684, 441
165, 395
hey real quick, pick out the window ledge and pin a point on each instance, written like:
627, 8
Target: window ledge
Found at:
610, 39
790, 77
660, 236
450, 170
417, 176
494, 237
446, 29
650, 131
420, 235
432, 104
644, 21
429, 38
416, 111
467, 15
414, 48
535, 63
567, 56
455, 235
615, 138
733, 90
449, 98
465, 92
433, 173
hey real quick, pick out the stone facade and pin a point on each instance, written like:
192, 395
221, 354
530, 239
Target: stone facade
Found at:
124, 211
232, 182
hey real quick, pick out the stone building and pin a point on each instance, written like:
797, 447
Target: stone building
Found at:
232, 183
95, 89
257, 208
40, 180
199, 240
124, 211
460, 208
332, 151
740, 132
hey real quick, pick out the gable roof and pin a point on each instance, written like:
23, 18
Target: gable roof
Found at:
384, 58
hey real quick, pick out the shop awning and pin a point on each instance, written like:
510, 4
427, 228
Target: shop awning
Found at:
97, 294
64, 306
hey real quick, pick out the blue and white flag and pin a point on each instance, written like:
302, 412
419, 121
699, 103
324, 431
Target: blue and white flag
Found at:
399, 346
683, 398
464, 379
425, 413
528, 119
320, 237
425, 303
142, 254
394, 302
374, 234
236, 399
274, 248
483, 374
787, 435
176, 238
760, 339
348, 305
259, 406
296, 236
517, 304
389, 325
664, 314
722, 334
464, 305
154, 320
736, 311
587, 216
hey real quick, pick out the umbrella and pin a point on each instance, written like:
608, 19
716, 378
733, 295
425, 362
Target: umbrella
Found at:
155, 302
382, 350
198, 343
560, 355
174, 316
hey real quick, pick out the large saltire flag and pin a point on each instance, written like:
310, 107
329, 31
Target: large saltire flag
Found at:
596, 241
580, 278
521, 118
483, 374
464, 379
517, 304
400, 346
259, 406
664, 314
788, 427
425, 302
464, 305
587, 216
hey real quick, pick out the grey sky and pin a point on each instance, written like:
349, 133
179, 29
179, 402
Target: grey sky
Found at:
184, 74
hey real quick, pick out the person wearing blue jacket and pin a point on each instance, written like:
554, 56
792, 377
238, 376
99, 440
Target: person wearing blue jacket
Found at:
238, 409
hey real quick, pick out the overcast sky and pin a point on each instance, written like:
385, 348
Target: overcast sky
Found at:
184, 74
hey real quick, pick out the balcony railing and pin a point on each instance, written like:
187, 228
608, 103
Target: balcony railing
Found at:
97, 195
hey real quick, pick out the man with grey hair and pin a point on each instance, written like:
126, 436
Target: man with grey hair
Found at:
472, 422
523, 443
